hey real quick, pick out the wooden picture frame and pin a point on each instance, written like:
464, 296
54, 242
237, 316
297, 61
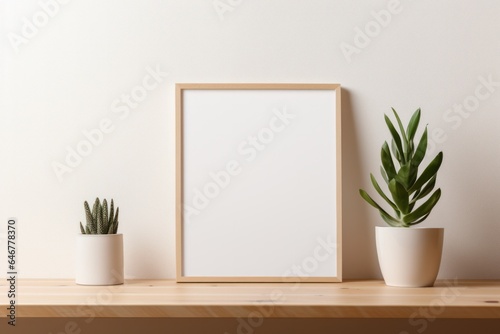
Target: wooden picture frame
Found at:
258, 183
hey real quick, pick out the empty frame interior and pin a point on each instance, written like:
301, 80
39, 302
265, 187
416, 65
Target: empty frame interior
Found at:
258, 183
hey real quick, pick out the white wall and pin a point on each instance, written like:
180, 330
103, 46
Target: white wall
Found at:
66, 75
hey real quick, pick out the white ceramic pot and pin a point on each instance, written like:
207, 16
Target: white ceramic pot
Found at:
409, 256
99, 259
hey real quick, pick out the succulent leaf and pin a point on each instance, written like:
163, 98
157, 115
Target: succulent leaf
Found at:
111, 213
396, 138
403, 135
115, 223
399, 195
421, 150
411, 130
95, 210
100, 226
387, 162
381, 193
88, 213
384, 175
395, 152
105, 216
404, 176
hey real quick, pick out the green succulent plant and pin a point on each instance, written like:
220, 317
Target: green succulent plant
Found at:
99, 220
405, 186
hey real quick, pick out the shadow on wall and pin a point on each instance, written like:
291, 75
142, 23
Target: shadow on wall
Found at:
358, 236
474, 253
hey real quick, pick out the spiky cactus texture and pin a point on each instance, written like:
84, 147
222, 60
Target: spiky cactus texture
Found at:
99, 220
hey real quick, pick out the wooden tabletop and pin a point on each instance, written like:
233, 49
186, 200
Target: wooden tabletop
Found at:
166, 298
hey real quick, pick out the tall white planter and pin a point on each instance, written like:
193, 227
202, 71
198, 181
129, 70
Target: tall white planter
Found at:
409, 257
99, 259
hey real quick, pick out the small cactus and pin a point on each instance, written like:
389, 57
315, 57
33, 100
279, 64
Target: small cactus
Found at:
99, 220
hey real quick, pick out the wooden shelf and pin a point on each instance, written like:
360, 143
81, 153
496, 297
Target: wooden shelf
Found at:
166, 298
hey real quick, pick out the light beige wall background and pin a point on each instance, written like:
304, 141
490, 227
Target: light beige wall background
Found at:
76, 66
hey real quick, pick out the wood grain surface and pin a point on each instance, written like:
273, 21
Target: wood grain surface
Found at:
166, 298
